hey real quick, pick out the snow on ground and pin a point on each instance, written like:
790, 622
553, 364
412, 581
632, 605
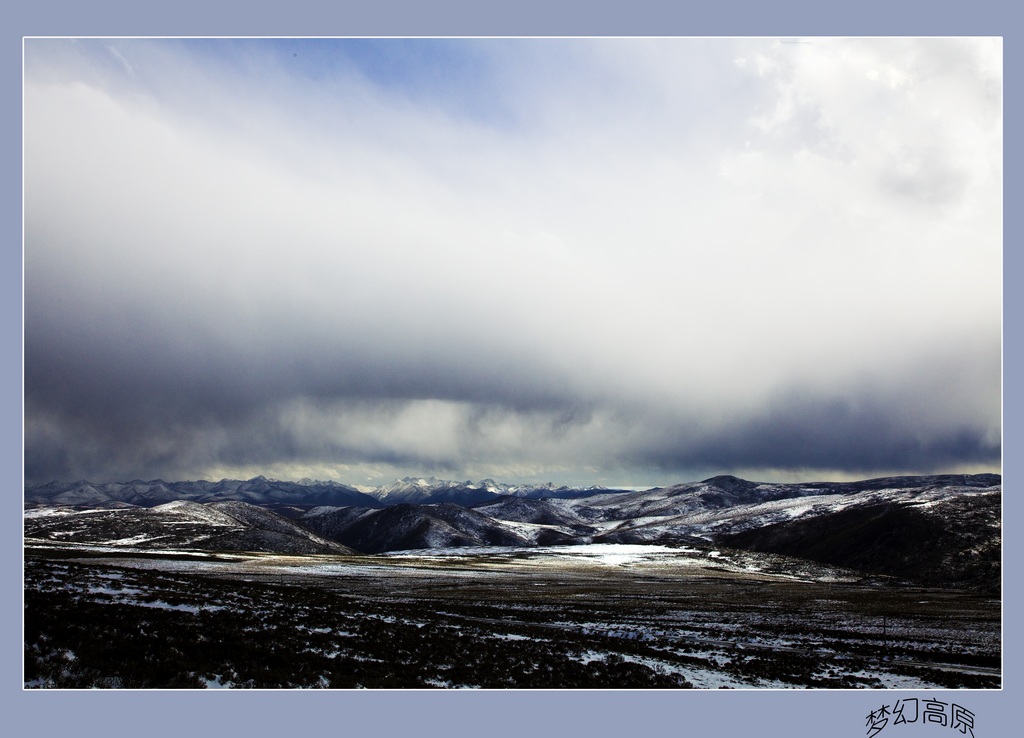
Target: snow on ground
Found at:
610, 554
895, 681
193, 512
130, 541
617, 554
49, 512
161, 605
321, 510
115, 592
529, 531
216, 683
703, 678
699, 677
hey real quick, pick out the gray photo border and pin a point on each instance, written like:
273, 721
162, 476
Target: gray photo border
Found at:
494, 714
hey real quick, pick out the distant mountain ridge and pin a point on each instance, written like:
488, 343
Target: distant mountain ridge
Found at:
420, 491
262, 491
257, 491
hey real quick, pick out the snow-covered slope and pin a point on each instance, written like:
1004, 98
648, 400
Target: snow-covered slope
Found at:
219, 526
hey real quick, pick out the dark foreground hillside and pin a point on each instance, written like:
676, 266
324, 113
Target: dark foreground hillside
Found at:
523, 621
272, 636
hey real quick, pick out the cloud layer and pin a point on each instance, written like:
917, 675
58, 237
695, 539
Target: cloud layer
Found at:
626, 261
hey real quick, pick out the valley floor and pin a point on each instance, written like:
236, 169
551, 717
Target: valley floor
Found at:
580, 617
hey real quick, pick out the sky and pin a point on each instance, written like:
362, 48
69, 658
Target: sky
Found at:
626, 262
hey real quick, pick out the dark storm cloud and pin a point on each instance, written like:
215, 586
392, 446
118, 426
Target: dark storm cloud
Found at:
131, 397
860, 435
234, 266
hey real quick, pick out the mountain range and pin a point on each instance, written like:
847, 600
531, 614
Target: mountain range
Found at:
941, 530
